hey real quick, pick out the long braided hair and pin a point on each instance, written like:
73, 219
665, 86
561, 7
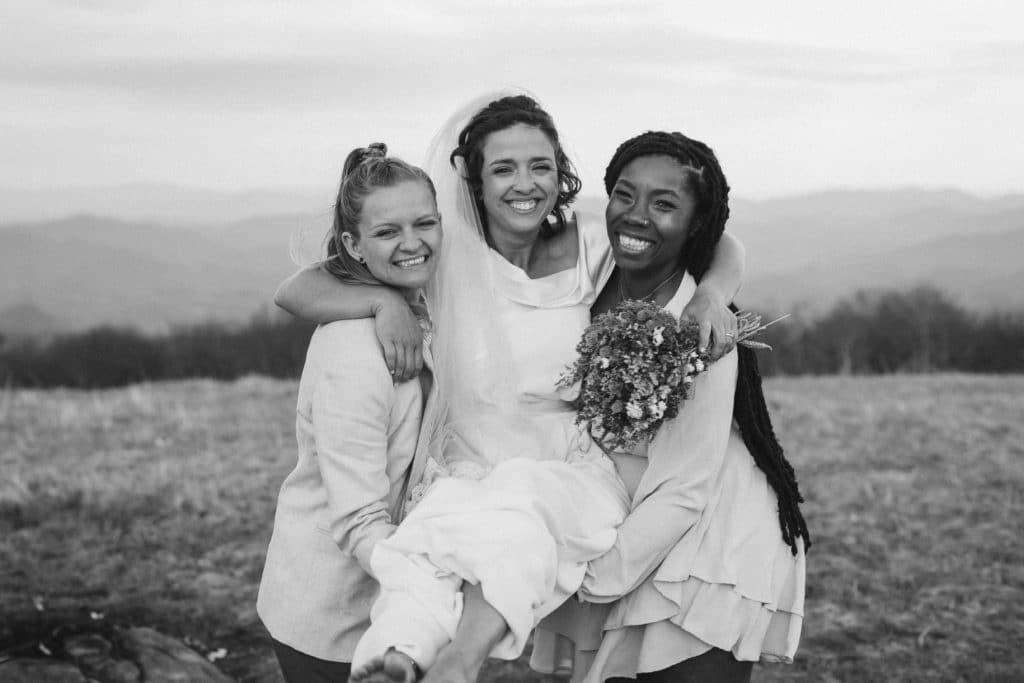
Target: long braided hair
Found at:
707, 185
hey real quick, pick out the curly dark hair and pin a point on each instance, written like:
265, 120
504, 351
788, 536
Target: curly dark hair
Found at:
505, 113
707, 185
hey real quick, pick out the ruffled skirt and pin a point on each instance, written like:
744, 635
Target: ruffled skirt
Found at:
730, 583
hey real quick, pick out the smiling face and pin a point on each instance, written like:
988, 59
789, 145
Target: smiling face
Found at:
649, 214
399, 234
519, 179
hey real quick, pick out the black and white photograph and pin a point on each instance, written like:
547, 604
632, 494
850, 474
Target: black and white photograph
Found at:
567, 341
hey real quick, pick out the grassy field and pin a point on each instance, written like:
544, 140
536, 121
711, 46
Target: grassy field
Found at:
153, 505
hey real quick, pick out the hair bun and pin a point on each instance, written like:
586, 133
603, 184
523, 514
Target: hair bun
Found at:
361, 155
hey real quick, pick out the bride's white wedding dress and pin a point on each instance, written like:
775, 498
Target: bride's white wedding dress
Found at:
515, 497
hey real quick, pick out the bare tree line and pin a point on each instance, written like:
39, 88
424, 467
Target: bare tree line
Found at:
915, 331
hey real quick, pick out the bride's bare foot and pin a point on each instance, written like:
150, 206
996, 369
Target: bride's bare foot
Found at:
452, 666
391, 667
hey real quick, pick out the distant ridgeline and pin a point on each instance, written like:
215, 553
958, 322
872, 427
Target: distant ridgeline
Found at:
804, 254
941, 264
914, 331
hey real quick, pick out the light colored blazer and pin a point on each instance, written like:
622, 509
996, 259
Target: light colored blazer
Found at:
356, 434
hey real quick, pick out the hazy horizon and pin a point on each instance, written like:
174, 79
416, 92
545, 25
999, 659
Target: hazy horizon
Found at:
187, 257
177, 205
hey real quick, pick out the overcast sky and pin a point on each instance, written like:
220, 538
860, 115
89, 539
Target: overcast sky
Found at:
794, 96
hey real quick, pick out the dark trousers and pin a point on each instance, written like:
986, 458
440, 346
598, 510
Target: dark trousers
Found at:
714, 666
298, 667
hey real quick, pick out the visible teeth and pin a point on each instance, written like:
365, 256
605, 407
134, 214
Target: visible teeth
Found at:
634, 244
411, 262
524, 206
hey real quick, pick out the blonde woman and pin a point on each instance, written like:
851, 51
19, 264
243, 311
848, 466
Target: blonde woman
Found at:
356, 429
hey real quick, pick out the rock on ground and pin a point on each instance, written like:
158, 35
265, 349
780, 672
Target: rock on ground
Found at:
40, 671
118, 655
167, 660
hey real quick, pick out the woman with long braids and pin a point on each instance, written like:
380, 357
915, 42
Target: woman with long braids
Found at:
707, 573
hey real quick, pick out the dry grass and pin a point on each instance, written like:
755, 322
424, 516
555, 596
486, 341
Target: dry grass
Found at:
915, 493
154, 504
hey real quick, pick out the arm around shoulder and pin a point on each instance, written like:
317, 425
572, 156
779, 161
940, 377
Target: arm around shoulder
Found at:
725, 276
315, 295
709, 305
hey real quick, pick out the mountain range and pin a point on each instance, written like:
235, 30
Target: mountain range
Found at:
811, 250
803, 253
169, 204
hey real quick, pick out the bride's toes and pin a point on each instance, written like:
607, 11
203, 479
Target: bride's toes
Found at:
391, 667
362, 674
400, 667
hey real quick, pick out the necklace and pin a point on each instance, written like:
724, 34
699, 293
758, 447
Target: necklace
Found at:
648, 295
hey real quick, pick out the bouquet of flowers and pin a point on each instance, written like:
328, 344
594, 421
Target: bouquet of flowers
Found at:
636, 365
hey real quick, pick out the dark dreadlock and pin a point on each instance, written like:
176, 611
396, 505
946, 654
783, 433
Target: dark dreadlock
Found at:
707, 185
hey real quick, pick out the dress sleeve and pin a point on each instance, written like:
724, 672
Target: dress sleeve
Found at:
685, 459
597, 250
351, 410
